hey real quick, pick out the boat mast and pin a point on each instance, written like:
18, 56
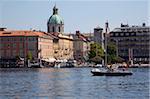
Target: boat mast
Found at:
106, 35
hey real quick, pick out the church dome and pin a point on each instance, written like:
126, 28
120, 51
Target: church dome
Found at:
55, 18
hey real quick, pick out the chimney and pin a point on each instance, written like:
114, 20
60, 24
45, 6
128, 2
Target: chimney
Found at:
78, 32
2, 29
143, 24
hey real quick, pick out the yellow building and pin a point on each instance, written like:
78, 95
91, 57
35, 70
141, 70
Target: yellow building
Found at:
63, 47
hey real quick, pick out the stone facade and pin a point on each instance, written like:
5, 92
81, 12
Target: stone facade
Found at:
63, 47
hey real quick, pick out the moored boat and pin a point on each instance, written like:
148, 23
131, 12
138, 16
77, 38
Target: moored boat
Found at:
98, 72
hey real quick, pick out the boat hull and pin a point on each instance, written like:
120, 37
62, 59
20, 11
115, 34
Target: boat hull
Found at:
111, 73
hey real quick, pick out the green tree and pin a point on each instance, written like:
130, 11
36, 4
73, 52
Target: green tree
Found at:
29, 56
111, 52
96, 52
111, 48
17, 57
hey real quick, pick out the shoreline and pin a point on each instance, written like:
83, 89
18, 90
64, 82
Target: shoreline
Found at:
147, 66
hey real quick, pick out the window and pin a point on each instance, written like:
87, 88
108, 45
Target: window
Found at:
53, 29
59, 28
14, 39
116, 34
21, 38
21, 45
132, 34
30, 38
127, 34
33, 38
21, 53
55, 40
121, 34
14, 53
14, 45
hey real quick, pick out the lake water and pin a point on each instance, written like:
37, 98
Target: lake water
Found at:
71, 83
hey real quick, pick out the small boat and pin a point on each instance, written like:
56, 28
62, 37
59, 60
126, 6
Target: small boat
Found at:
57, 66
35, 64
98, 72
60, 65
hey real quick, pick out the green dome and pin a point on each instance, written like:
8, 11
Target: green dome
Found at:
55, 19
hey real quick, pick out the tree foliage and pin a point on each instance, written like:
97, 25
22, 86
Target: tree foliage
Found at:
111, 48
29, 56
111, 54
96, 52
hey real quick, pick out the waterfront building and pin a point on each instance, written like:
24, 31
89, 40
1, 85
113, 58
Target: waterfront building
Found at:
133, 42
20, 43
81, 47
63, 47
62, 43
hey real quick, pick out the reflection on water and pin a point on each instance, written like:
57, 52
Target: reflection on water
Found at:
72, 83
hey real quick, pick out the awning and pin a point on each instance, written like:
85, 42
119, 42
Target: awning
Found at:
22, 59
49, 60
61, 60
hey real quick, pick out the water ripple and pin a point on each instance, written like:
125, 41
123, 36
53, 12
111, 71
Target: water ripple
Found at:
73, 83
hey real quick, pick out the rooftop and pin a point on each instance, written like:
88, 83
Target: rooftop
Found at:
22, 33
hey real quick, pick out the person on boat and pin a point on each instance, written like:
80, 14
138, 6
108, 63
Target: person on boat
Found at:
125, 67
111, 68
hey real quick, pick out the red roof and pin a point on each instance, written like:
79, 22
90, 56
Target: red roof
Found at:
22, 33
82, 37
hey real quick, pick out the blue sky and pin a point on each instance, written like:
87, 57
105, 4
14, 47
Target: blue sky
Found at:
81, 15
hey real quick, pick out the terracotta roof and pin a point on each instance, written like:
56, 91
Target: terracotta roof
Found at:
53, 36
22, 33
60, 36
82, 37
55, 33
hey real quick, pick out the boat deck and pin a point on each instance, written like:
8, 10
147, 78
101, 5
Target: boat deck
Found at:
98, 72
111, 73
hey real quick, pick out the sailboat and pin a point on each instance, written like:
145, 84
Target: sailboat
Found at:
109, 71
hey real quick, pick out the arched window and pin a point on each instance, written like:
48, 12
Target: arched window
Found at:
59, 28
53, 29
48, 30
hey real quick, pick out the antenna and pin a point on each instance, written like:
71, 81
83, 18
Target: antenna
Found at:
55, 3
127, 21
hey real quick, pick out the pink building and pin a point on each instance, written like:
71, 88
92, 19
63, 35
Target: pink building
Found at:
20, 43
